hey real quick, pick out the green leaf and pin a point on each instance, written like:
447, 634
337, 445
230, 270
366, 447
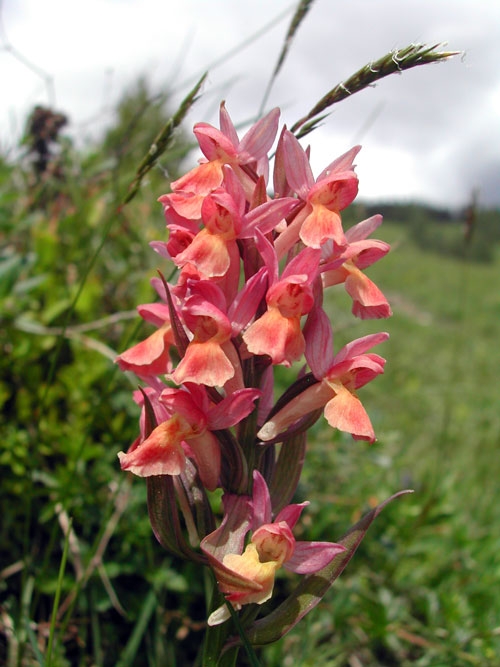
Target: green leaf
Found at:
287, 471
10, 270
165, 519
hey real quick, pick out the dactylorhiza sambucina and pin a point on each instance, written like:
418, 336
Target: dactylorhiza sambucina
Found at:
252, 269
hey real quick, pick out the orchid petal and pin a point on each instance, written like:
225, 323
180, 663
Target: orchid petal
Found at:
259, 138
342, 163
277, 336
368, 252
204, 363
151, 356
227, 125
261, 501
335, 192
291, 513
187, 404
346, 412
268, 254
215, 145
245, 305
208, 253
364, 228
368, 301
322, 224
155, 313
309, 557
319, 342
360, 346
267, 216
298, 170
160, 454
306, 262
232, 409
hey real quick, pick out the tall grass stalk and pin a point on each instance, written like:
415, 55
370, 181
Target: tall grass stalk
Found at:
57, 596
129, 653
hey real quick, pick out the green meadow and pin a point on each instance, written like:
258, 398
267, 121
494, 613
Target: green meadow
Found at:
422, 590
82, 579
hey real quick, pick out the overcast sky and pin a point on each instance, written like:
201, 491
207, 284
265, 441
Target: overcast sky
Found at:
432, 133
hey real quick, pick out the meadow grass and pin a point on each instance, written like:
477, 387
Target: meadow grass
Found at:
421, 590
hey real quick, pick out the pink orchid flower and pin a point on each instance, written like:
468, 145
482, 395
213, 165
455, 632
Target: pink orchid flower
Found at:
339, 377
222, 147
277, 332
246, 574
210, 358
336, 187
214, 250
188, 432
181, 232
368, 301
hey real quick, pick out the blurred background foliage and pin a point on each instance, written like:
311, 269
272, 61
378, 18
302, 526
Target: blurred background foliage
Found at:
73, 266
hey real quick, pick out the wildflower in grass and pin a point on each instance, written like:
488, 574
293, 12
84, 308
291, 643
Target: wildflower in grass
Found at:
214, 250
246, 574
252, 269
335, 188
181, 232
222, 147
188, 431
210, 357
347, 268
338, 379
277, 332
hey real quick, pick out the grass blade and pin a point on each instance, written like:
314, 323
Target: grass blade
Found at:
57, 595
394, 62
128, 656
163, 139
300, 13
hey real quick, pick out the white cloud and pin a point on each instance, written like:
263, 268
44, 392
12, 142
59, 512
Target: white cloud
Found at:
428, 121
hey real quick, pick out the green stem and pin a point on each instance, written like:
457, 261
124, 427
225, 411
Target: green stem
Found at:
247, 441
252, 657
247, 429
216, 635
57, 596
